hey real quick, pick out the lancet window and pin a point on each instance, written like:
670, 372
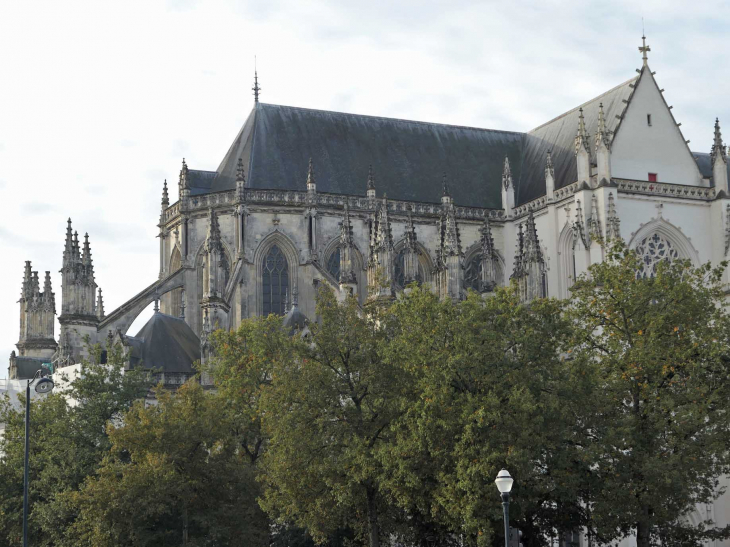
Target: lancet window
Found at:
333, 264
275, 281
400, 274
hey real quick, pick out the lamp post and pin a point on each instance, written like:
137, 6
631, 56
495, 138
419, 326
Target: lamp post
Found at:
504, 485
43, 386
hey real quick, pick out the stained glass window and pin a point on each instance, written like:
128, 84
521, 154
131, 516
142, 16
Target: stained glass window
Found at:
652, 250
275, 281
399, 270
333, 264
473, 273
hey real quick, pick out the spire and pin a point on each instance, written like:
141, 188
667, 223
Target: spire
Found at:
27, 281
718, 149
311, 182
68, 248
644, 49
533, 252
549, 169
165, 196
183, 188
506, 174
445, 185
581, 139
410, 235
256, 89
486, 240
371, 183
602, 134
518, 271
100, 305
489, 259
385, 233
86, 259
579, 226
76, 248
47, 284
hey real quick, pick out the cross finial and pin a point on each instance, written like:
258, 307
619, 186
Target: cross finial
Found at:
256, 89
644, 49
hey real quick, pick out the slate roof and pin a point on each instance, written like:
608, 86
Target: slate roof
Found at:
704, 162
165, 343
558, 137
408, 158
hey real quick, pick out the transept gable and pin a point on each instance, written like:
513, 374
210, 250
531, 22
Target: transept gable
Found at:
648, 139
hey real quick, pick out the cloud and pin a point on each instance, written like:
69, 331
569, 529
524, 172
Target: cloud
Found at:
32, 208
126, 143
95, 189
180, 148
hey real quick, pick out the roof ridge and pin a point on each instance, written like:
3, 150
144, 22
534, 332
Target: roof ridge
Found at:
385, 118
633, 79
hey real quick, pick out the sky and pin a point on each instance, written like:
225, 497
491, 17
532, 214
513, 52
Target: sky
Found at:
101, 100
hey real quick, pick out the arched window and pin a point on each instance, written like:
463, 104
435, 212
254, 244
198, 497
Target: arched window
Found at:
473, 272
652, 250
399, 267
175, 260
275, 280
333, 264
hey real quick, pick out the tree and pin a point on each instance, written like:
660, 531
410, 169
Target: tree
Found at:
67, 443
656, 350
174, 476
331, 401
491, 391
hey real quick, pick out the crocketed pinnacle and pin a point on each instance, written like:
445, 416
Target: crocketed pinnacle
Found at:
718, 149
506, 174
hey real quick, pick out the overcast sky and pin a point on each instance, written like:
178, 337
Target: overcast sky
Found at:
101, 100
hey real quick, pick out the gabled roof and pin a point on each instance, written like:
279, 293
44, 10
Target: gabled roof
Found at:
408, 158
558, 137
165, 343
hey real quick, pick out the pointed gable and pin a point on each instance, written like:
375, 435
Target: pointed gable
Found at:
644, 145
558, 137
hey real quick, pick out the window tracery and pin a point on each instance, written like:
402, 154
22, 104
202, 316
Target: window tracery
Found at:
399, 267
333, 264
275, 282
652, 250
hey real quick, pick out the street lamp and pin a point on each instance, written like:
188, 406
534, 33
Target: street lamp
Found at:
504, 485
43, 385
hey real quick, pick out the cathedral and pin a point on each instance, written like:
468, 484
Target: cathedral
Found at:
366, 205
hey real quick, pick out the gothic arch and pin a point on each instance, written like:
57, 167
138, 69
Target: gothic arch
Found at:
424, 258
566, 260
670, 233
175, 259
331, 249
288, 249
474, 252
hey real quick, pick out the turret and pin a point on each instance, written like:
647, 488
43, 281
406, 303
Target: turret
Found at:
508, 189
603, 149
78, 317
718, 157
583, 151
37, 316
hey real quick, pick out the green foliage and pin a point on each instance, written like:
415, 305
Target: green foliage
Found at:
656, 351
67, 444
174, 476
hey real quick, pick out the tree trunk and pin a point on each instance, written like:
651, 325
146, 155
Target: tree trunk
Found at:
373, 528
642, 529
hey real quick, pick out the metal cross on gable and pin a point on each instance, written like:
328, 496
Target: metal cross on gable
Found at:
644, 49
